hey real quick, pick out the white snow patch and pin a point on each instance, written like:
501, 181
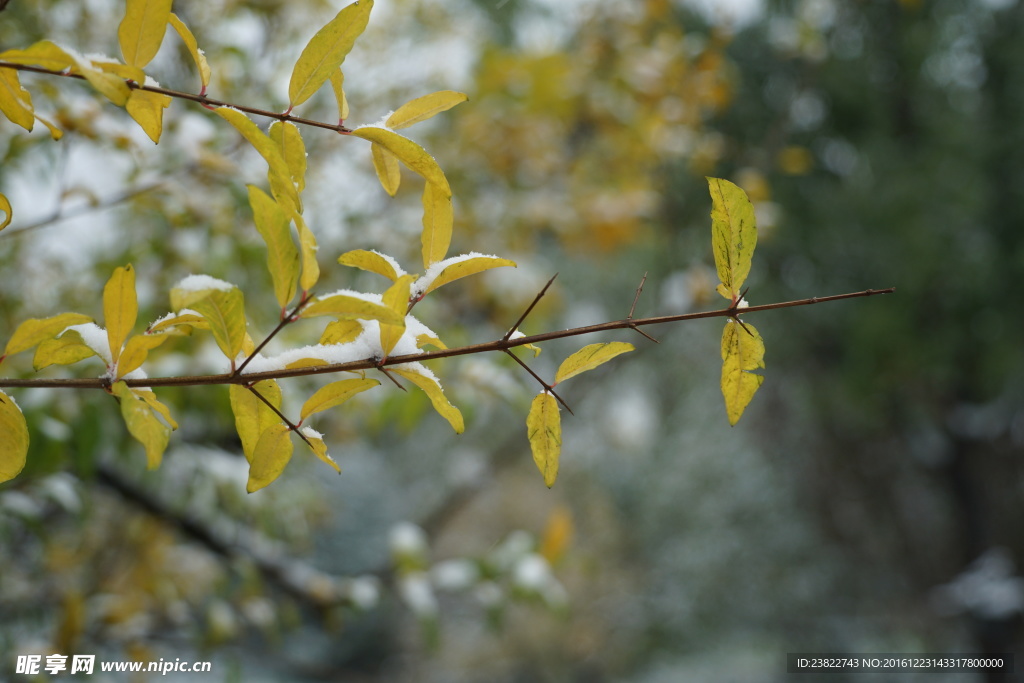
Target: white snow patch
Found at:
199, 283
95, 337
423, 283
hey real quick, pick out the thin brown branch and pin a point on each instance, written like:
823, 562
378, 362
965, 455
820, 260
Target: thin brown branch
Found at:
286, 319
547, 387
292, 426
536, 299
636, 298
370, 363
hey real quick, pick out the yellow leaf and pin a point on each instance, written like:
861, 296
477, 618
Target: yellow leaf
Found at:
187, 321
557, 534
188, 291
397, 299
15, 101
338, 85
428, 340
55, 132
544, 428
13, 439
65, 350
147, 108
589, 357
5, 206
307, 247
43, 54
37, 330
163, 411
289, 139
253, 416
346, 307
224, 310
280, 176
109, 85
742, 352
120, 308
408, 152
437, 224
271, 455
335, 394
142, 424
733, 235
193, 47
373, 261
316, 442
122, 71
136, 350
274, 226
326, 51
422, 108
388, 171
142, 30
461, 266
341, 332
419, 375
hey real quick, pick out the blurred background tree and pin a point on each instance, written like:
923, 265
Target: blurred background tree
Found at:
869, 502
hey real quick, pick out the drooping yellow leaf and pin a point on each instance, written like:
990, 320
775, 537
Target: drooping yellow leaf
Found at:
147, 108
281, 184
338, 85
388, 171
742, 352
373, 261
13, 439
320, 449
326, 51
271, 455
461, 266
341, 332
149, 396
142, 424
34, 331
64, 350
334, 394
419, 375
55, 132
289, 139
346, 307
437, 224
589, 357
15, 101
307, 249
142, 30
5, 206
136, 350
274, 226
253, 416
733, 235
193, 48
422, 108
544, 429
225, 313
120, 308
408, 152
397, 299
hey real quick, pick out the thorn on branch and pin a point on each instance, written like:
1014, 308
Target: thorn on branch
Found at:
547, 387
536, 299
639, 289
383, 368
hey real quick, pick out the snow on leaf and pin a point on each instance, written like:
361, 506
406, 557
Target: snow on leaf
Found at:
326, 51
451, 269
253, 416
341, 332
742, 352
438, 219
274, 227
397, 299
34, 331
142, 424
544, 429
13, 438
422, 108
418, 374
195, 287
373, 261
193, 48
334, 394
142, 30
147, 108
347, 307
408, 152
733, 235
589, 357
271, 455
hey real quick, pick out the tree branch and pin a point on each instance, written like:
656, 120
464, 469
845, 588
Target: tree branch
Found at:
370, 363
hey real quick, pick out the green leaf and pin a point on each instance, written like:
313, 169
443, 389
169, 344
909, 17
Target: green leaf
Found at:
544, 429
408, 152
372, 261
346, 307
253, 416
388, 171
280, 176
338, 85
419, 375
225, 313
326, 51
422, 108
142, 30
13, 439
289, 139
589, 357
733, 235
334, 394
147, 108
437, 224
271, 455
742, 352
142, 424
274, 226
193, 48
461, 266
120, 308
15, 101
397, 299
5, 206
34, 331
